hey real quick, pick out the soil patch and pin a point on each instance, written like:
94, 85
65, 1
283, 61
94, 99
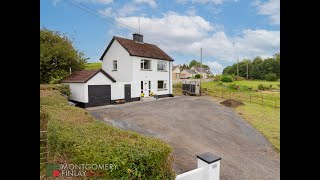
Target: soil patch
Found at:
231, 103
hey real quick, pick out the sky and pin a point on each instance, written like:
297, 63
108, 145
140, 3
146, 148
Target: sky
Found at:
224, 29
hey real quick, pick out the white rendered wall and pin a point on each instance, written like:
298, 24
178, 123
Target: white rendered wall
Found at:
124, 63
154, 76
77, 92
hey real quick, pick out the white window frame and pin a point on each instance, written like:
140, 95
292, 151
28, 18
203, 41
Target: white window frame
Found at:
164, 66
114, 62
142, 63
164, 84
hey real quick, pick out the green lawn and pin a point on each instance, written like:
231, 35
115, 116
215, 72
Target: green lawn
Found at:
95, 65
265, 119
244, 86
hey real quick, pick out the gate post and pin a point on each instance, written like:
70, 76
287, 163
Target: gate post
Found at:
211, 163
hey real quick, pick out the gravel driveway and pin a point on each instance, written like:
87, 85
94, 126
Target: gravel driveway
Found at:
194, 125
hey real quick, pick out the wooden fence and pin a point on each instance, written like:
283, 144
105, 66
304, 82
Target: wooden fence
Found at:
258, 98
43, 149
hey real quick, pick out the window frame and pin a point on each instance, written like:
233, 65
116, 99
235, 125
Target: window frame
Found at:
142, 63
115, 62
164, 85
164, 66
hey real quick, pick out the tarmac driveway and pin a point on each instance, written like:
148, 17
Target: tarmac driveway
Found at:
194, 125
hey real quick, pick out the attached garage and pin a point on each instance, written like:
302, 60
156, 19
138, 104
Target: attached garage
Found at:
90, 87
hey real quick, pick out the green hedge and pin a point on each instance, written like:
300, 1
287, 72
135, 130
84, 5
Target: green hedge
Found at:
76, 137
226, 79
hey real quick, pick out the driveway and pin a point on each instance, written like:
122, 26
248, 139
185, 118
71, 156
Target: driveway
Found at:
194, 125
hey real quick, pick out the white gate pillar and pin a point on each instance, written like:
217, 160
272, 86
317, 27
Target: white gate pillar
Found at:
211, 163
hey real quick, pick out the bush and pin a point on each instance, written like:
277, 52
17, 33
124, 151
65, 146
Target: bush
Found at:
197, 76
234, 86
217, 77
263, 87
238, 78
271, 77
226, 79
278, 85
74, 136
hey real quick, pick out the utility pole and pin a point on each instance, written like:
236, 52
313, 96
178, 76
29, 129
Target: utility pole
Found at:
247, 70
237, 67
201, 69
139, 24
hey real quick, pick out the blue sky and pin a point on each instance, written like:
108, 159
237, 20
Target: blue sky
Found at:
225, 29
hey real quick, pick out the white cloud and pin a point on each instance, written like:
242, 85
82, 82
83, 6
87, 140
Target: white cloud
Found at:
271, 9
151, 3
123, 11
216, 68
187, 34
191, 12
100, 1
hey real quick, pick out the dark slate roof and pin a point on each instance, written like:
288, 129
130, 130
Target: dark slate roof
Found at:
199, 69
190, 71
85, 75
140, 49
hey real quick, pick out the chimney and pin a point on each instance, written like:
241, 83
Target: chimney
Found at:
138, 37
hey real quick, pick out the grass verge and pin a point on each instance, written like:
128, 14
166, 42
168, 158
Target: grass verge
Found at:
74, 136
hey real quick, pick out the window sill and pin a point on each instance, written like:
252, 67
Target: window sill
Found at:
162, 89
162, 71
145, 69
114, 70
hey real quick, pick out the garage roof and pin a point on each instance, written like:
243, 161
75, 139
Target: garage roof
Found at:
85, 75
140, 49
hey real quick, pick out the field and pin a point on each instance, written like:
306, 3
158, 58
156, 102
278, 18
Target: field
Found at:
94, 65
74, 136
261, 109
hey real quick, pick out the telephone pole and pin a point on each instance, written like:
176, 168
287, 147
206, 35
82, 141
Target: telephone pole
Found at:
237, 67
247, 70
201, 69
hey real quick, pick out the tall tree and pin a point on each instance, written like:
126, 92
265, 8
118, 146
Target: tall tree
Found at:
197, 64
57, 56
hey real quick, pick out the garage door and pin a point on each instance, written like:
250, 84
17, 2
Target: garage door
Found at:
99, 95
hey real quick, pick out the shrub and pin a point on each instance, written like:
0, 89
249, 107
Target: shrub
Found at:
226, 79
233, 86
271, 77
217, 77
64, 89
238, 78
197, 76
263, 87
278, 85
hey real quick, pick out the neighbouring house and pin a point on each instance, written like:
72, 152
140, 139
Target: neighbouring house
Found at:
176, 72
187, 73
131, 70
204, 72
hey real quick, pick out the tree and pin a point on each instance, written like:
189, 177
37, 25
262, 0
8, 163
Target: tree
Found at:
57, 56
197, 64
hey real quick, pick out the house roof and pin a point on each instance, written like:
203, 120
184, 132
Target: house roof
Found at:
203, 70
85, 75
174, 67
190, 71
139, 49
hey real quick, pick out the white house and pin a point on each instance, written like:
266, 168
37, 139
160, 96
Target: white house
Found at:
187, 73
130, 69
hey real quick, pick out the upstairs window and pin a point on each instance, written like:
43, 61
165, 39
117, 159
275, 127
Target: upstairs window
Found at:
115, 65
162, 66
145, 64
162, 85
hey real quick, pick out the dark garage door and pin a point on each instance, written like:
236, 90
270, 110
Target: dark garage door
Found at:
99, 95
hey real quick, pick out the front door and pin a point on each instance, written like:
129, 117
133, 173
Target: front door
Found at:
127, 92
146, 88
